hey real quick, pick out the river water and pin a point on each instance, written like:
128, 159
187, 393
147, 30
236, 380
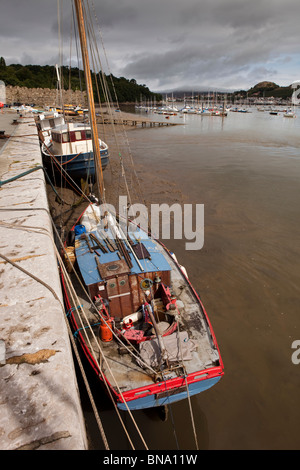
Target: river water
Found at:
245, 169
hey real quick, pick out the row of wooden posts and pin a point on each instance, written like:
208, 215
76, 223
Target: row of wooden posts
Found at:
137, 123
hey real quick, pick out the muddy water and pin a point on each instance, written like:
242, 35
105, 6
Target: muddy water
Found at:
245, 169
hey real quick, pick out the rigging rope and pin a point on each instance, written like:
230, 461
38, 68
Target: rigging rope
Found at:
76, 302
188, 394
72, 341
80, 317
44, 231
109, 101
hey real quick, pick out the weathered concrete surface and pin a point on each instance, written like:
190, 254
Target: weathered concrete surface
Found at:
7, 117
39, 400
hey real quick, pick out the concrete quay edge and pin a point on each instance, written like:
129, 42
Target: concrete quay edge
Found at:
39, 398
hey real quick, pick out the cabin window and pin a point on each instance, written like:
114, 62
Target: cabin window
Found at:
78, 135
88, 134
56, 138
51, 122
66, 137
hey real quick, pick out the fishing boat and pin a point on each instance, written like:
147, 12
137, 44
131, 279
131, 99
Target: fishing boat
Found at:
157, 344
45, 122
136, 316
71, 147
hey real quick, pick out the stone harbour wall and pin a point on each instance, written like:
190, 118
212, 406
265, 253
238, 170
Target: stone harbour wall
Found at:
43, 96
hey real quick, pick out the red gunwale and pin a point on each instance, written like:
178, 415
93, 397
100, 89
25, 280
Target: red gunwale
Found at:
151, 389
171, 384
199, 300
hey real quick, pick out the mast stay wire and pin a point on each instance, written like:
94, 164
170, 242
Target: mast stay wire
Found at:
44, 231
104, 356
106, 92
133, 167
88, 80
72, 341
60, 79
63, 268
101, 68
94, 55
77, 53
109, 103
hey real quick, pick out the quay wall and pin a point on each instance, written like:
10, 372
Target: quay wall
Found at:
43, 96
39, 398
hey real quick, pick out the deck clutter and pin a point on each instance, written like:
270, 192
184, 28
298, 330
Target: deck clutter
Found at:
149, 314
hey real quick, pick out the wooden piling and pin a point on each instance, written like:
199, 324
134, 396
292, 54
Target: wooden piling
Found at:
136, 123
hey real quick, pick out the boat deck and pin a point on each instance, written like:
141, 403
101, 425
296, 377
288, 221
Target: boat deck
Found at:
123, 371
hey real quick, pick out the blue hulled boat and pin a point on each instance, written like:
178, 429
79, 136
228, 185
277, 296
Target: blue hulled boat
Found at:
155, 339
71, 147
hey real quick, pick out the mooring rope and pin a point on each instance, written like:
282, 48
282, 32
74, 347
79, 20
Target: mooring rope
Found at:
44, 231
187, 390
21, 175
72, 341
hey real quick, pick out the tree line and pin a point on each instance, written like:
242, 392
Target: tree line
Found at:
45, 76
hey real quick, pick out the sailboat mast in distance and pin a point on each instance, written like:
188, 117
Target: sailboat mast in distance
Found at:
90, 96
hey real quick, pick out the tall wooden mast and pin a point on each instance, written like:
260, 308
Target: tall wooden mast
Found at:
90, 96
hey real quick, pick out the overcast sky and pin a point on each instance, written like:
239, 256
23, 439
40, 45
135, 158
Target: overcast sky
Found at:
167, 44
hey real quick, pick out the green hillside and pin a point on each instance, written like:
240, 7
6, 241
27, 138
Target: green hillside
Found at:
268, 89
37, 76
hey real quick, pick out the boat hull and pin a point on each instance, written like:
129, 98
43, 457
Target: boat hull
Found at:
154, 400
77, 166
154, 395
129, 385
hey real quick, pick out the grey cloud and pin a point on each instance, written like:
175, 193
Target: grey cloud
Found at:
166, 42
